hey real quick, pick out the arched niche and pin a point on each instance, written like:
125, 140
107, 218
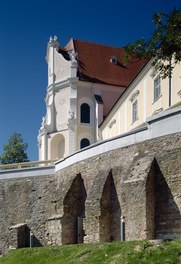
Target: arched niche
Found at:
57, 147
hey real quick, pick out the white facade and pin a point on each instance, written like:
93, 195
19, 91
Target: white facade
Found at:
74, 108
55, 130
84, 86
147, 96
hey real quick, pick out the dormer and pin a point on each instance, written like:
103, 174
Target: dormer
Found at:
113, 59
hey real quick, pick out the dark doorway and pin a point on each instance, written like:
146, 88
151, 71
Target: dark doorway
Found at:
23, 236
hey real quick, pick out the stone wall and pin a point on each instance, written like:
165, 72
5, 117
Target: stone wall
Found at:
25, 204
85, 201
144, 176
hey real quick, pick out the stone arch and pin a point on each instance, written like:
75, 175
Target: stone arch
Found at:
158, 206
102, 209
110, 212
161, 208
74, 212
139, 196
57, 147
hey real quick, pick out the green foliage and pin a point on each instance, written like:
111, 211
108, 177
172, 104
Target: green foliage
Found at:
14, 150
133, 252
164, 47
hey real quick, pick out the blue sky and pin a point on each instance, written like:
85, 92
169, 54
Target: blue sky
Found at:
25, 28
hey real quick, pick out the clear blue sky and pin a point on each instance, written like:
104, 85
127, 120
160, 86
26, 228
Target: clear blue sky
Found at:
25, 28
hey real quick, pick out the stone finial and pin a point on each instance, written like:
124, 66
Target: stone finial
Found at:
51, 39
71, 119
73, 55
71, 115
43, 125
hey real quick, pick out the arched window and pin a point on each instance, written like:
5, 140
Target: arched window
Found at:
84, 143
85, 113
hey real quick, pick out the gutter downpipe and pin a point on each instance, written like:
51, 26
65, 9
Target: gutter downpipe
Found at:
170, 83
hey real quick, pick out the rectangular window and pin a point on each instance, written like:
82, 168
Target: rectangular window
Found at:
135, 111
157, 89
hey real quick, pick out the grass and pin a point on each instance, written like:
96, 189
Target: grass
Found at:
133, 252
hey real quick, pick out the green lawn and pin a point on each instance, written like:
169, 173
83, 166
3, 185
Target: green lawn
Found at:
134, 252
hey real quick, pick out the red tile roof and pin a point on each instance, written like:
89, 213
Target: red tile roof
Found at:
94, 63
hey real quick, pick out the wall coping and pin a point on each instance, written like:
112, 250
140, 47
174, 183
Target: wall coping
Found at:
27, 172
162, 124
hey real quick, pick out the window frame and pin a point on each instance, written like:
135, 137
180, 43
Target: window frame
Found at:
157, 89
134, 111
81, 141
85, 117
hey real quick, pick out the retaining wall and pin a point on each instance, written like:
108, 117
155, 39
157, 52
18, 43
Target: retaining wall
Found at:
84, 199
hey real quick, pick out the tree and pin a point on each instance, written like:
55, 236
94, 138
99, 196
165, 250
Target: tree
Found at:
14, 150
164, 47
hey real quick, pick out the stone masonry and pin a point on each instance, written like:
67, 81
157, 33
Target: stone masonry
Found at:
84, 202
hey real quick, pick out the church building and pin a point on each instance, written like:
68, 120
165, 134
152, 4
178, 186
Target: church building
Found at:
85, 80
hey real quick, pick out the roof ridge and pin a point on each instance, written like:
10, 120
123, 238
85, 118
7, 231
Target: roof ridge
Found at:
95, 43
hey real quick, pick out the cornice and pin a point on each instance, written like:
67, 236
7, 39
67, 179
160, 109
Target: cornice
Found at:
73, 80
61, 84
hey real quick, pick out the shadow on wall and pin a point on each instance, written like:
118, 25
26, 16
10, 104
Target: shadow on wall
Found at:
110, 212
167, 213
163, 219
74, 212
